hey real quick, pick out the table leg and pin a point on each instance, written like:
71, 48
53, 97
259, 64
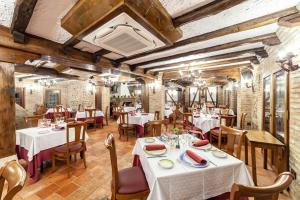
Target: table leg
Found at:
253, 163
246, 150
265, 158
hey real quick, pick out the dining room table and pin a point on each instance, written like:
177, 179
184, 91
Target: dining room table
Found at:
205, 122
35, 145
50, 113
129, 108
185, 180
139, 120
82, 116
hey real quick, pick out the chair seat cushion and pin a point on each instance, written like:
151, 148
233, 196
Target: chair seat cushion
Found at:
132, 180
73, 148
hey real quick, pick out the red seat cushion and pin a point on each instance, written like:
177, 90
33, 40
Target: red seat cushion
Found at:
72, 147
132, 180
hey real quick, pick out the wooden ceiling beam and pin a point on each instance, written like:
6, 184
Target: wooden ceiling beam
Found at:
229, 45
290, 21
15, 56
223, 62
244, 26
97, 55
210, 58
210, 9
42, 71
22, 14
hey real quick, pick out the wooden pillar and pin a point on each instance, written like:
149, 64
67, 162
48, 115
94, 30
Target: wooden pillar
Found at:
7, 110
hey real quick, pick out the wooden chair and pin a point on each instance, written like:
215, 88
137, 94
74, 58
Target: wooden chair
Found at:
40, 110
90, 116
226, 120
32, 121
155, 127
242, 121
80, 107
224, 111
187, 124
64, 152
222, 106
116, 112
177, 118
58, 109
106, 115
234, 137
271, 192
128, 183
124, 126
15, 175
156, 115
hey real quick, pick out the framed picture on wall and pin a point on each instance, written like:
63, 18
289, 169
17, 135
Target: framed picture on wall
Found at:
52, 98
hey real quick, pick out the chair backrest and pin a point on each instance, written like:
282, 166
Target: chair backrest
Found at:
79, 132
110, 145
242, 121
80, 107
234, 136
15, 175
224, 111
40, 109
123, 117
271, 192
155, 127
186, 117
229, 120
106, 112
90, 112
32, 121
58, 109
156, 115
222, 106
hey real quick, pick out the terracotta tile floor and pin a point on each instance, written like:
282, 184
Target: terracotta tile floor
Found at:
93, 183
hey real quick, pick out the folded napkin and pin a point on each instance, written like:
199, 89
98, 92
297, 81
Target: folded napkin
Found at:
194, 132
196, 116
200, 143
196, 157
154, 147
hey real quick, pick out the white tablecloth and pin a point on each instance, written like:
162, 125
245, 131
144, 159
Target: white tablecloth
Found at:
139, 119
206, 123
51, 110
129, 109
187, 183
83, 114
34, 141
168, 112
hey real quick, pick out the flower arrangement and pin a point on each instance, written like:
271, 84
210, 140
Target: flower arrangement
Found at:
175, 131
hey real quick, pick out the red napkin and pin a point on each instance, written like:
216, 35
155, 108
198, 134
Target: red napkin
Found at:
200, 143
194, 131
154, 147
196, 157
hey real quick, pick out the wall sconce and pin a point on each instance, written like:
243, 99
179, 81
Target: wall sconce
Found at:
247, 78
286, 62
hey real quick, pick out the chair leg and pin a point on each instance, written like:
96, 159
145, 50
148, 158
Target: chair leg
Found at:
219, 141
75, 157
53, 162
83, 158
69, 167
126, 134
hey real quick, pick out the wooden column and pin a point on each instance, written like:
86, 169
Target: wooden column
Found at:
7, 110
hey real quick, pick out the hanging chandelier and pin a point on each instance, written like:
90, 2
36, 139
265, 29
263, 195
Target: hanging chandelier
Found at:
47, 83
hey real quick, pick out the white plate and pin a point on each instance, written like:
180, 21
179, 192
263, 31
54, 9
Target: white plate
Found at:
156, 152
219, 154
205, 147
149, 140
166, 163
190, 162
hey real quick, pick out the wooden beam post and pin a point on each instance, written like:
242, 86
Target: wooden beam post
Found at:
7, 110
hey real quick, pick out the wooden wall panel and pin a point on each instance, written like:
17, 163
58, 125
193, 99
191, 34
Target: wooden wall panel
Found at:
7, 110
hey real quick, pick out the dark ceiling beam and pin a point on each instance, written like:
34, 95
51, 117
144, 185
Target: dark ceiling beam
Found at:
244, 26
210, 58
229, 45
22, 14
97, 55
210, 9
42, 71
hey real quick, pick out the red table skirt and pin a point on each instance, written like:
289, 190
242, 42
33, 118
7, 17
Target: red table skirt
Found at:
34, 165
225, 196
70, 115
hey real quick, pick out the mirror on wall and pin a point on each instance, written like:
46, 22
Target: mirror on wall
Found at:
52, 98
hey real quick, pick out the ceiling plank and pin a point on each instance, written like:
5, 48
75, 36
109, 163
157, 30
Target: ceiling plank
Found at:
210, 9
15, 56
210, 58
229, 45
244, 26
43, 71
223, 62
22, 14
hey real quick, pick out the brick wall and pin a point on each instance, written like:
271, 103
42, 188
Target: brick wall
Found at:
244, 104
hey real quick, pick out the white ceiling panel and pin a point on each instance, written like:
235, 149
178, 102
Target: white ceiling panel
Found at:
193, 57
209, 43
6, 12
88, 47
113, 56
46, 20
243, 12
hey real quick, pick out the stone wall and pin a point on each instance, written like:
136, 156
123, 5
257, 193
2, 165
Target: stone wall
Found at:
106, 98
268, 66
73, 93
